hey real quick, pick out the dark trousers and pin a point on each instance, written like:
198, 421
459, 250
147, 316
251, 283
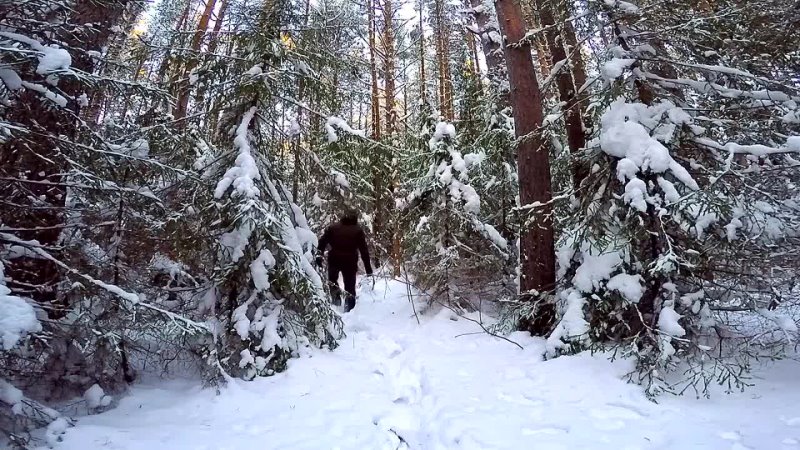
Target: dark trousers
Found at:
348, 268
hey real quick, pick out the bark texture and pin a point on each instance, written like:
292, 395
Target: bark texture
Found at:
537, 251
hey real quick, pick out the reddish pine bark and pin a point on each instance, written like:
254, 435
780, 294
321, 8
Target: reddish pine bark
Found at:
537, 251
182, 103
223, 8
576, 139
443, 61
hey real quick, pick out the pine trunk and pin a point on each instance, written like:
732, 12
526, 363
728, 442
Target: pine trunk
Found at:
537, 251
490, 47
184, 89
296, 144
389, 66
164, 67
576, 139
379, 221
373, 73
215, 34
577, 66
423, 95
443, 61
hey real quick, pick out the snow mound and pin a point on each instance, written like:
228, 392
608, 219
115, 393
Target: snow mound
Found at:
17, 317
95, 397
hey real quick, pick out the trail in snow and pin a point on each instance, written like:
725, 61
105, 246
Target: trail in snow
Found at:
441, 384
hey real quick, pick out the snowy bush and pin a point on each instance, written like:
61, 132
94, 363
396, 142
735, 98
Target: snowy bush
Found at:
454, 255
268, 301
673, 228
275, 303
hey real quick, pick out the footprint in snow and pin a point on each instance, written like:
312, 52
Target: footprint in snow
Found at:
634, 409
519, 399
535, 374
514, 373
545, 430
616, 411
384, 349
534, 401
730, 435
356, 327
735, 437
792, 422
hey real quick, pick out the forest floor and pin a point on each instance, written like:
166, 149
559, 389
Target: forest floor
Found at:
442, 384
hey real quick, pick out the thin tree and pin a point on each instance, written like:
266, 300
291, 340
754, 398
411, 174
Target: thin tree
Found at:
389, 78
568, 94
184, 89
441, 34
490, 39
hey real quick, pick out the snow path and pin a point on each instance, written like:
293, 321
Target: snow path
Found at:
396, 384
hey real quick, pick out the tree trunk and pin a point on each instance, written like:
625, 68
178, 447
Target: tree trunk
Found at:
164, 67
373, 73
488, 35
223, 8
576, 139
443, 61
389, 67
212, 47
537, 253
296, 149
472, 47
296, 144
136, 73
389, 78
379, 220
184, 89
577, 66
423, 95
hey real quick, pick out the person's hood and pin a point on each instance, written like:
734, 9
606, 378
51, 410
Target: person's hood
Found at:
349, 219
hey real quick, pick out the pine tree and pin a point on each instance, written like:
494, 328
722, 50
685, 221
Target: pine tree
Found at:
454, 252
678, 208
537, 256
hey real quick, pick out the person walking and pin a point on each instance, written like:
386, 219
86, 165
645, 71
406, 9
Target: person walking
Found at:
346, 239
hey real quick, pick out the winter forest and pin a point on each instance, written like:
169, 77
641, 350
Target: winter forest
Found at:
583, 218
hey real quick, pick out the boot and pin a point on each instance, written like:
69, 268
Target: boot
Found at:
350, 303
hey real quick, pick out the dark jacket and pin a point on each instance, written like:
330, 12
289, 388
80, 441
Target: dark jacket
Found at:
346, 239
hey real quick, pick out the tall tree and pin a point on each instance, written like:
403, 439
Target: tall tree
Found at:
568, 92
184, 83
537, 251
489, 37
441, 30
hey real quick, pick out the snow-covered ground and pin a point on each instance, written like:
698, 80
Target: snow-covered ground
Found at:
442, 384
